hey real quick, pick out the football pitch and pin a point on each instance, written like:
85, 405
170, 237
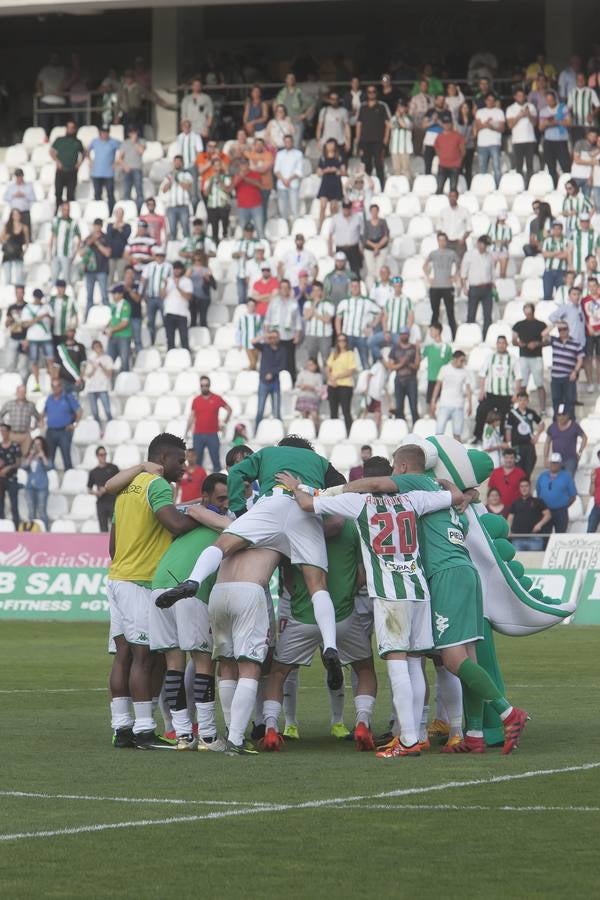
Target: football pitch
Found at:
82, 820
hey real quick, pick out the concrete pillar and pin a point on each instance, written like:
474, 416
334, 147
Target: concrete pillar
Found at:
559, 32
165, 69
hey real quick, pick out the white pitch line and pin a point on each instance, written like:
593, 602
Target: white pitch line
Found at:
38, 795
458, 806
285, 807
54, 690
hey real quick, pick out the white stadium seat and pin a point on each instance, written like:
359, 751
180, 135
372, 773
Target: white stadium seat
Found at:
127, 455
467, 336
127, 384
332, 431
269, 431
392, 432
74, 482
482, 184
344, 456
157, 384
87, 431
137, 408
177, 360
363, 431
84, 507
145, 432
117, 431
62, 526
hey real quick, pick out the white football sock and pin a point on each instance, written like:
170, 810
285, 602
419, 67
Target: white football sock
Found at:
424, 721
364, 705
417, 681
441, 712
120, 713
259, 718
504, 715
324, 617
336, 705
207, 563
449, 689
403, 700
271, 712
226, 691
165, 711
241, 709
188, 680
205, 716
144, 720
181, 721
290, 697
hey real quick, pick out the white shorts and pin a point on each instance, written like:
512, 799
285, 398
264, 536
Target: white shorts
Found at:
184, 625
278, 523
402, 626
532, 367
129, 606
363, 606
298, 643
239, 620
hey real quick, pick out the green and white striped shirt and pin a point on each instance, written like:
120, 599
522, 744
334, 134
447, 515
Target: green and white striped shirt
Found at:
553, 245
357, 314
500, 235
65, 232
315, 327
396, 312
64, 311
155, 277
583, 243
581, 102
401, 135
249, 327
189, 146
177, 195
500, 372
246, 249
216, 191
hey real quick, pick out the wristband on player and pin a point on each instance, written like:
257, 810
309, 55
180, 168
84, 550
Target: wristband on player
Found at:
333, 491
308, 489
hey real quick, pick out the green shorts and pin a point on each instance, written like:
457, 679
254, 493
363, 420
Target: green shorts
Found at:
456, 607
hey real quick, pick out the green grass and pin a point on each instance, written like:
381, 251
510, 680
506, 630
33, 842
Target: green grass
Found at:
59, 743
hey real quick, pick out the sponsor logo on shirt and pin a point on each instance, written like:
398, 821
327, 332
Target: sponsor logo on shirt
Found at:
404, 568
455, 536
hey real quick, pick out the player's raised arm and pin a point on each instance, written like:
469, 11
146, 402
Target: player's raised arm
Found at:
207, 517
424, 502
239, 475
123, 479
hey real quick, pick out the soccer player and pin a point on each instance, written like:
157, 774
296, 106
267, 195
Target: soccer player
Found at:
456, 602
299, 637
277, 523
145, 520
395, 580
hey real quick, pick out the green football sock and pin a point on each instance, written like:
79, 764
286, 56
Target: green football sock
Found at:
473, 709
477, 680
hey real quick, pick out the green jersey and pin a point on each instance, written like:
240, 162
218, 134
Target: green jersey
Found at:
441, 534
119, 312
397, 309
437, 355
342, 554
175, 564
583, 244
263, 465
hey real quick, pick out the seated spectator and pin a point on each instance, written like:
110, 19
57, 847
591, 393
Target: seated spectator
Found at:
566, 437
506, 478
97, 479
309, 385
494, 502
37, 465
21, 416
190, 485
527, 516
10, 460
98, 373
594, 517
556, 488
356, 472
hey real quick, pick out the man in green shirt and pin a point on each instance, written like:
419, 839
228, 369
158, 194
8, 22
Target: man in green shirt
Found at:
437, 354
68, 153
296, 105
119, 330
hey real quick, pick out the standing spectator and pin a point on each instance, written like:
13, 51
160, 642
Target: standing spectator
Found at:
176, 306
203, 423
376, 238
594, 518
346, 236
397, 313
489, 126
118, 234
539, 228
248, 327
336, 284
37, 319
68, 153
197, 241
420, 102
591, 310
204, 160
372, 133
272, 363
572, 313
198, 108
465, 127
494, 504
49, 87
157, 224
153, 288
453, 385
575, 204
283, 316
521, 118
528, 336
98, 373
477, 273
71, 358
261, 160
404, 360
178, 188
292, 99
356, 472
584, 243
119, 330
500, 235
37, 465
499, 382
582, 103
19, 195
256, 112
538, 96
129, 160
454, 99
441, 269
433, 128
244, 253
330, 170
318, 315
455, 223
189, 146
16, 349
265, 288
249, 197
192, 480
492, 440
131, 292
64, 243
527, 516
61, 413
131, 96
450, 148
589, 274
309, 386
567, 360
103, 152
357, 316
217, 192
384, 288
567, 79
567, 437
401, 139
10, 460
438, 354
14, 238
523, 428
278, 128
202, 283
554, 125
584, 168
555, 487
341, 366
97, 478
334, 125
95, 255
288, 172
21, 416
505, 478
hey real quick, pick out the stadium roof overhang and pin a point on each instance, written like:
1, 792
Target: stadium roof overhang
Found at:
90, 7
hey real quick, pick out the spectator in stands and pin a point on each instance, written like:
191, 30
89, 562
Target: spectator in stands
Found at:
288, 172
494, 502
499, 382
555, 487
204, 160
129, 160
197, 241
397, 313
594, 517
452, 386
584, 243
310, 387
37, 465
583, 104
203, 423
383, 289
97, 478
356, 472
37, 319
450, 148
261, 160
341, 366
465, 127
10, 460
331, 169
404, 360
95, 255
153, 288
297, 260
352, 101
500, 235
131, 292
554, 124
256, 112
528, 515
538, 96
477, 273
14, 238
283, 316
567, 437
334, 125
303, 290
178, 188
103, 152
528, 336
539, 228
438, 354
455, 223
591, 310
521, 118
197, 107
492, 440
318, 315
575, 204
357, 316
454, 99
420, 102
61, 414
217, 192
278, 128
441, 270
68, 153
119, 330
71, 357
540, 68
249, 197
589, 274
372, 133
49, 88
157, 224
336, 284
64, 243
248, 327
489, 127
376, 237
244, 253
346, 235
433, 128
131, 96
567, 78
586, 153
401, 139
19, 195
189, 146
192, 480
572, 313
265, 288
273, 360
21, 416
118, 233
98, 374
506, 478
523, 428
567, 360
202, 284
296, 105
176, 306
16, 348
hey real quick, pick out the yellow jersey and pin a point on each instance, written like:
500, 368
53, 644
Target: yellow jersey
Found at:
140, 539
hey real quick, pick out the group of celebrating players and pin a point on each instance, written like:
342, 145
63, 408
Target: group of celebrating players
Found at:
385, 553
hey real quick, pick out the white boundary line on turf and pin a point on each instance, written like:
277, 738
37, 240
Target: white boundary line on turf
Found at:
458, 806
341, 802
39, 795
55, 690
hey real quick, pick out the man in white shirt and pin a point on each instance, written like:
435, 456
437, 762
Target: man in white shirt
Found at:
346, 235
297, 260
189, 145
198, 108
176, 190
20, 195
521, 118
489, 127
334, 124
455, 222
176, 304
477, 273
288, 172
383, 289
453, 384
283, 316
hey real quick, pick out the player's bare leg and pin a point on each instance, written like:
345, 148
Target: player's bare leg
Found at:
364, 703
120, 704
207, 563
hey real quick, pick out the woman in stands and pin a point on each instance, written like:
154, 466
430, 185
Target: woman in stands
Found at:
539, 227
341, 366
14, 239
278, 128
256, 112
330, 170
310, 386
37, 465
464, 126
